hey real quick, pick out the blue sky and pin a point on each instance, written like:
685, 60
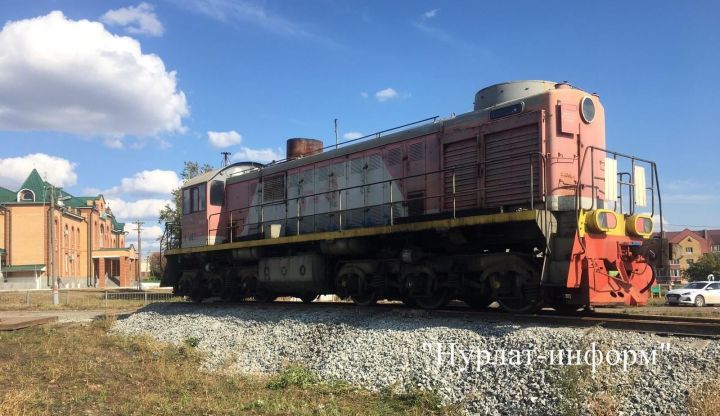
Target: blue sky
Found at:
118, 115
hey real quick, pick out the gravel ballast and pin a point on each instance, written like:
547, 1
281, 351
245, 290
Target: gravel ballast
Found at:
488, 367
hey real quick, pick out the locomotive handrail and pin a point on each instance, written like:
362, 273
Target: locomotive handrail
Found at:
653, 181
262, 206
282, 201
653, 188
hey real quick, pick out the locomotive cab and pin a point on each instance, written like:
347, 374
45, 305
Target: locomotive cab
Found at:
203, 204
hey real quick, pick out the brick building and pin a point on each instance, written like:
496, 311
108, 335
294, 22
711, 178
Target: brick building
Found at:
687, 246
46, 232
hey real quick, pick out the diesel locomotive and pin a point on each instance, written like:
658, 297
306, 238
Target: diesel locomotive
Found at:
517, 202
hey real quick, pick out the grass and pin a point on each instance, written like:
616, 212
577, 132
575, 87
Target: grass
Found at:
682, 311
86, 299
584, 392
704, 400
82, 369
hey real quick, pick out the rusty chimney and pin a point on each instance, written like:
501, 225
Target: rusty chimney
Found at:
300, 147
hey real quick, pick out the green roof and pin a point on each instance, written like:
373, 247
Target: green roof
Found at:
79, 201
24, 268
118, 226
36, 184
7, 195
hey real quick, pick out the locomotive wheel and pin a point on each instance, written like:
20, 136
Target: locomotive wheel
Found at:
437, 299
566, 308
199, 289
308, 298
409, 302
215, 286
263, 296
430, 294
184, 287
354, 281
516, 285
478, 301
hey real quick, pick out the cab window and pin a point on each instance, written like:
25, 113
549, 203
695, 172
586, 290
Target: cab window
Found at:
194, 199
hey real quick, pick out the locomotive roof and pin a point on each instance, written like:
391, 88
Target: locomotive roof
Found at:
235, 168
370, 143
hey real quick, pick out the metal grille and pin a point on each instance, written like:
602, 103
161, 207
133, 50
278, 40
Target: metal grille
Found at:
339, 169
374, 162
356, 166
322, 173
394, 156
274, 188
508, 155
416, 151
461, 162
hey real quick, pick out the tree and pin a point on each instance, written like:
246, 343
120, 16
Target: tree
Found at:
157, 263
172, 212
707, 264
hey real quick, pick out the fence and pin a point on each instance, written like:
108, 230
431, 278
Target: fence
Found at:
83, 299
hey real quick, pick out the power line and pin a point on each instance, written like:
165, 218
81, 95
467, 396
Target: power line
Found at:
693, 226
138, 229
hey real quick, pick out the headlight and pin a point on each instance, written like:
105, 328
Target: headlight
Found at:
587, 110
603, 221
686, 293
640, 225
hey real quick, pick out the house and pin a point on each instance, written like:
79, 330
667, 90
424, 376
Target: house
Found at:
46, 233
687, 246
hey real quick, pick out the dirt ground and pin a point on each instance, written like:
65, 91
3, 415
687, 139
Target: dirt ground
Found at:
65, 315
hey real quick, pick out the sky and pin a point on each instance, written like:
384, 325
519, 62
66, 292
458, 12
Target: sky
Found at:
112, 97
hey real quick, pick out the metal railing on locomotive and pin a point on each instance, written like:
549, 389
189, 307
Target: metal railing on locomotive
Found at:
621, 205
390, 206
172, 236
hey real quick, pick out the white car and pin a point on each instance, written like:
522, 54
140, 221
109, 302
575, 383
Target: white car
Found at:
695, 293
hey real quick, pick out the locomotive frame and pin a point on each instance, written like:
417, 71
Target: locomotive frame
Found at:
517, 202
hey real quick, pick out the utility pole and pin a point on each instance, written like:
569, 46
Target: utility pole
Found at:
226, 158
336, 134
138, 229
53, 275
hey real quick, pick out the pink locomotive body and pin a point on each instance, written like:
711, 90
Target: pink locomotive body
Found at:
505, 203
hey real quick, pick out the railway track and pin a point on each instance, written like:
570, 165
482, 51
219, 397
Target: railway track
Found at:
655, 324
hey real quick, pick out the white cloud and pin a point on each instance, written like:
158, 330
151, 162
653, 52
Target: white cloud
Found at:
114, 143
691, 198
430, 13
252, 13
140, 19
364, 94
656, 222
233, 138
71, 76
56, 170
258, 155
151, 181
386, 94
149, 235
147, 182
141, 209
222, 139
352, 135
